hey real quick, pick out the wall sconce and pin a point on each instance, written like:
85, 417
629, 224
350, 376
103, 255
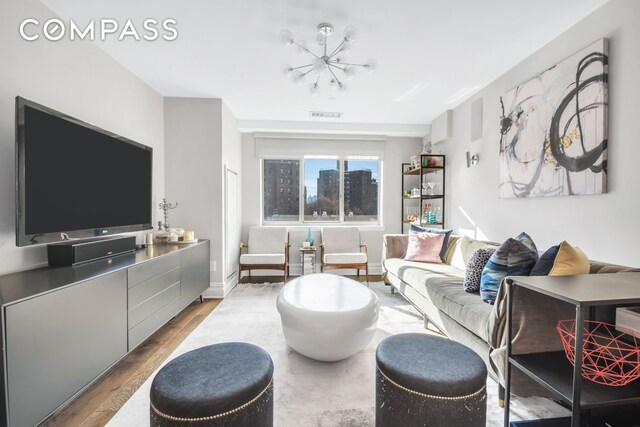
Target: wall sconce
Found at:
472, 160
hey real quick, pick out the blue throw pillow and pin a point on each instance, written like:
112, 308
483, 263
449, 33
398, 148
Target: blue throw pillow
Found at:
545, 263
515, 257
413, 228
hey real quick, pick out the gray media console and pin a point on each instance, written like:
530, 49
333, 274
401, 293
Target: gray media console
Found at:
63, 327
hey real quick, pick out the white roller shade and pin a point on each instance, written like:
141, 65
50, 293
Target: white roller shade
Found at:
279, 146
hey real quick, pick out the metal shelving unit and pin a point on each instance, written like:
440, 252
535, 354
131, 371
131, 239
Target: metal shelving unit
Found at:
432, 167
551, 369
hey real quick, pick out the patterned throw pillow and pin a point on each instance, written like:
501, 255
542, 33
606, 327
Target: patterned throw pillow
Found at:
476, 264
424, 247
515, 257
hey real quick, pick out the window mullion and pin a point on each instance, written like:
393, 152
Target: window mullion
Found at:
301, 185
341, 192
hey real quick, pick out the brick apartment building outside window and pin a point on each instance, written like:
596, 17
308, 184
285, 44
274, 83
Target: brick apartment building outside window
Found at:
333, 190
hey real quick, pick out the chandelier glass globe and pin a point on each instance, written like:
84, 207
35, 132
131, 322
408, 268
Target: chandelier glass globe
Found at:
286, 37
371, 66
314, 89
349, 72
297, 77
350, 34
287, 70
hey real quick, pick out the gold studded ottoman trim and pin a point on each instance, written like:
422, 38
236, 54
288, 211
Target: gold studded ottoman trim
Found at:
213, 417
429, 396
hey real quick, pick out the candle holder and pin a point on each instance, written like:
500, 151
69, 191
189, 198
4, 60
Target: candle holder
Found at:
165, 207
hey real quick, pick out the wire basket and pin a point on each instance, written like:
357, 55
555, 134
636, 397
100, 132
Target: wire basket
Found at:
607, 358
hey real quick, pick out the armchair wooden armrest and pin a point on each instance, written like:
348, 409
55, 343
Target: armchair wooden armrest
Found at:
242, 246
366, 248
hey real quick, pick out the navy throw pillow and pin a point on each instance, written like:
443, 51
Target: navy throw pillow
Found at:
545, 263
515, 257
413, 228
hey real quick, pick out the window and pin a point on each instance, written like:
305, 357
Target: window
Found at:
274, 207
322, 190
338, 190
361, 179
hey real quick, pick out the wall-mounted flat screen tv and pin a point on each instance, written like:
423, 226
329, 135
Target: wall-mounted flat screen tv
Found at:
76, 180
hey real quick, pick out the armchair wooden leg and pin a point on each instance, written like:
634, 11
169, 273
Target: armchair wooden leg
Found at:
358, 272
366, 273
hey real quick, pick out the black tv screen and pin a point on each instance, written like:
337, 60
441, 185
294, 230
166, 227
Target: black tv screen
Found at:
77, 179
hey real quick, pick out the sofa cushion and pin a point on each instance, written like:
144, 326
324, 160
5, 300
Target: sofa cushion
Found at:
515, 257
465, 248
425, 247
414, 228
442, 285
345, 258
266, 259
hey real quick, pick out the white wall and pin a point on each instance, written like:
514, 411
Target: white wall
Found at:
201, 137
76, 78
192, 147
397, 151
231, 159
604, 226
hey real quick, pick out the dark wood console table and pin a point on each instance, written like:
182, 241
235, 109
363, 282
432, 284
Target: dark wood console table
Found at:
62, 327
552, 370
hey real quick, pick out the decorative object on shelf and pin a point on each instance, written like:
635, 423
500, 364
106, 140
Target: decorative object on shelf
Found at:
309, 239
553, 129
415, 162
607, 358
426, 145
472, 159
429, 187
431, 162
328, 62
415, 192
165, 207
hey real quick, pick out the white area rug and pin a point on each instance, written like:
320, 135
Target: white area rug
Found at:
310, 393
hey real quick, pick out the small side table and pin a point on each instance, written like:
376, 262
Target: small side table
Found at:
308, 260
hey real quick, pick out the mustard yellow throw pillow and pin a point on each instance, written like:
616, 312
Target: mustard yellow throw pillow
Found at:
569, 261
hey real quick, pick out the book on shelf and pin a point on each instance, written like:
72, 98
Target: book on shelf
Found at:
628, 320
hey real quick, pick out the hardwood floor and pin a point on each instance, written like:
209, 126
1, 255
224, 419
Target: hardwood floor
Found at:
99, 403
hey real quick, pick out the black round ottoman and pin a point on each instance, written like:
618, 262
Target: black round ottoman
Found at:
228, 384
423, 380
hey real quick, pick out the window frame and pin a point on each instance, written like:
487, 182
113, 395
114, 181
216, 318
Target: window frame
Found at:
301, 200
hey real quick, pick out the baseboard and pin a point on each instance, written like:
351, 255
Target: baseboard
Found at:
220, 290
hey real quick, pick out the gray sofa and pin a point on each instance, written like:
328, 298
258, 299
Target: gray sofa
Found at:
436, 291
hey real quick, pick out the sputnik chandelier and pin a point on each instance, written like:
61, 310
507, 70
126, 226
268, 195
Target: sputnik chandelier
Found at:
330, 63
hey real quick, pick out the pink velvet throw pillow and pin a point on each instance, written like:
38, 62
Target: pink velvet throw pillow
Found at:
424, 247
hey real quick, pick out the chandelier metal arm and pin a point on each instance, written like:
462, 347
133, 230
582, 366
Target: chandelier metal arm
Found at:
302, 66
337, 49
349, 63
334, 76
335, 66
305, 49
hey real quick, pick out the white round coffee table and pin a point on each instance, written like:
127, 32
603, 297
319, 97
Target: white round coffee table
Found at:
327, 317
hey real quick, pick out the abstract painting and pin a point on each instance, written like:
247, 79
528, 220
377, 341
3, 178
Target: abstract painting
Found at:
553, 129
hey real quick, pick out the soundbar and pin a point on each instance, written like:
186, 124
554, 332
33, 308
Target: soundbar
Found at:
73, 252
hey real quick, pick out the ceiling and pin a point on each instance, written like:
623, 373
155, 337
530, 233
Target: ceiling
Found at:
431, 54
